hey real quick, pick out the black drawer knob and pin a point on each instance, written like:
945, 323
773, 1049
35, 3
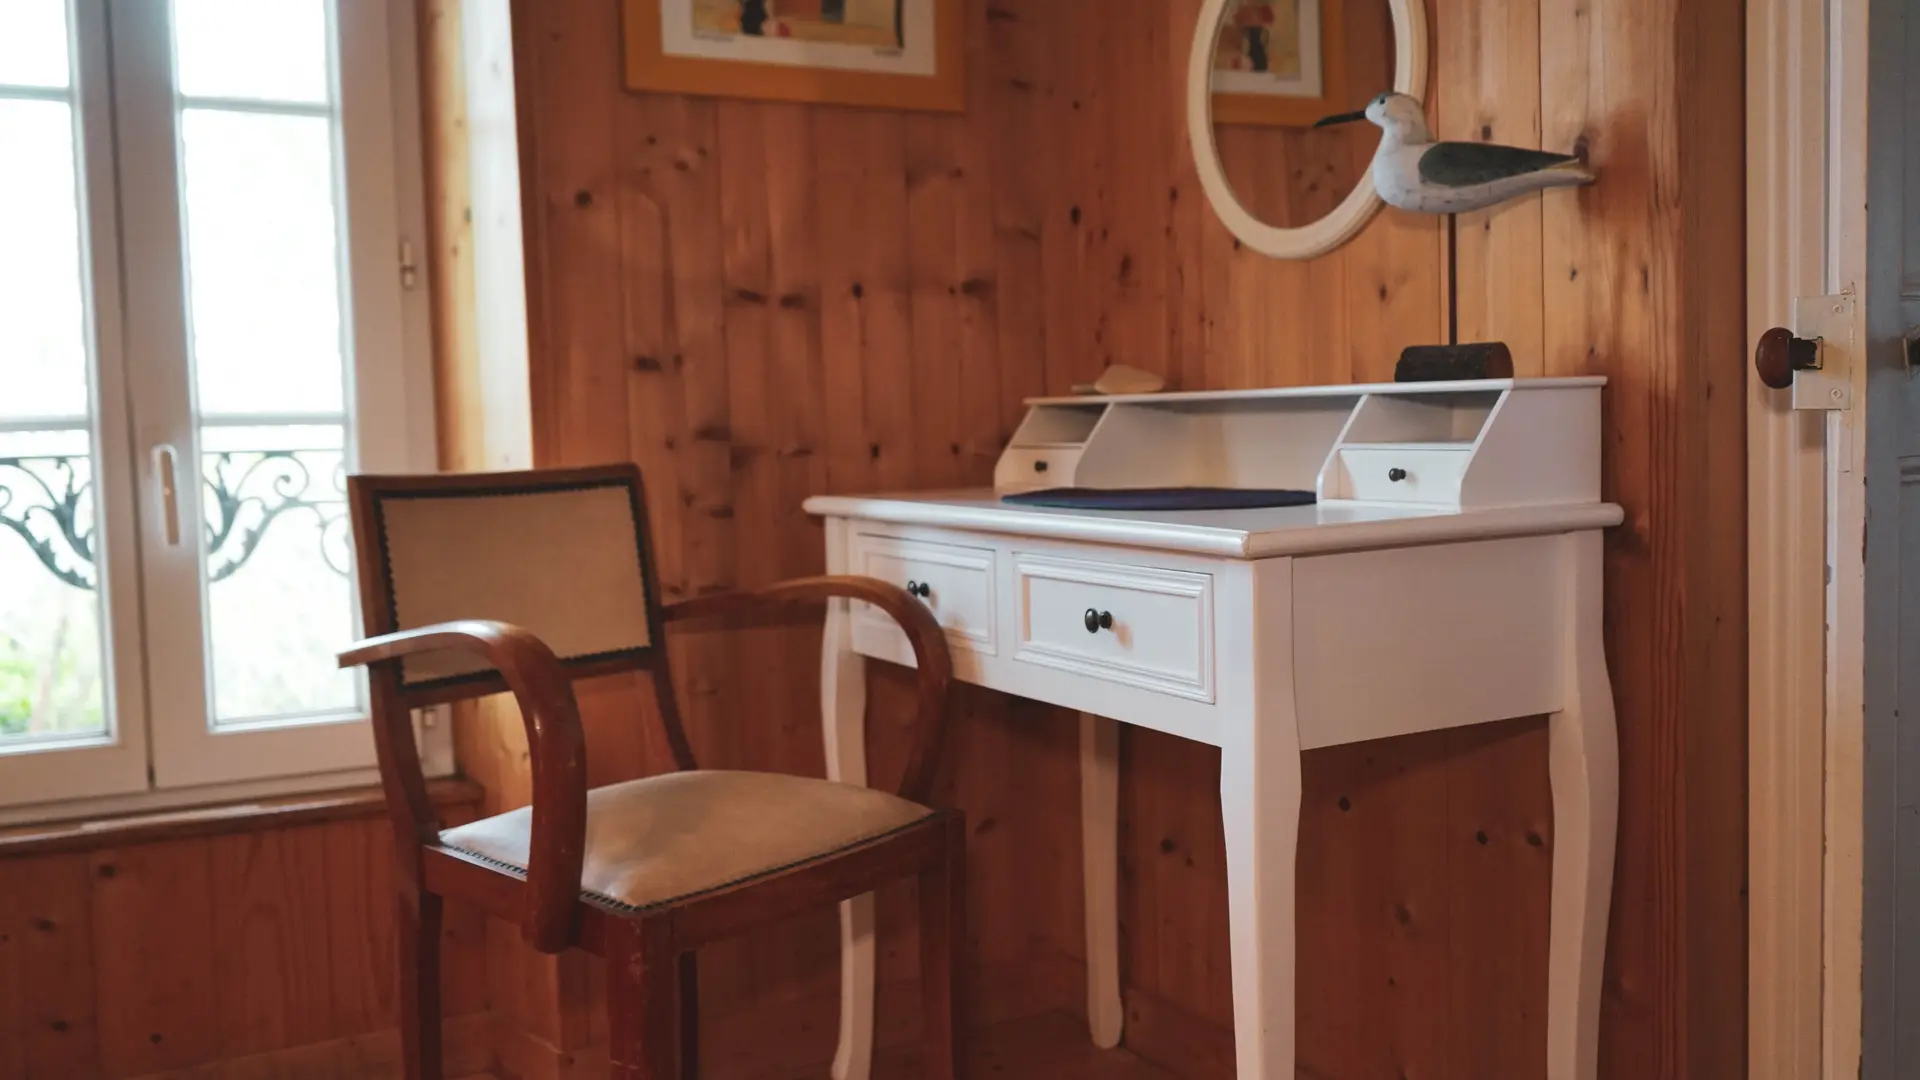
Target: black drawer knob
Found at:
1039, 466
920, 589
1396, 474
1098, 620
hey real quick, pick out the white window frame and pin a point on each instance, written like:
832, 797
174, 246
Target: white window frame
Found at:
162, 750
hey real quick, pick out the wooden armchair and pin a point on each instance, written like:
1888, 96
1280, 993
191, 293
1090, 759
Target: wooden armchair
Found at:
523, 582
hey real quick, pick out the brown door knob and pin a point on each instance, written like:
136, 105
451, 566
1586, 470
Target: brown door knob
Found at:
1780, 354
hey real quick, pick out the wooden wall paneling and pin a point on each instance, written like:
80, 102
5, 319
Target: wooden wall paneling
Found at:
796, 416
690, 190
839, 139
464, 986
370, 1056
1410, 904
742, 178
1188, 216
480, 306
1137, 129
1014, 106
48, 1018
655, 405
1395, 283
458, 403
580, 375
796, 430
1072, 243
1488, 65
565, 55
1712, 153
1173, 866
317, 983
154, 946
740, 433
363, 943
1633, 277
935, 190
1358, 968
1498, 840
866, 340
655, 157
252, 975
241, 953
1393, 296
1029, 804
1614, 295
984, 429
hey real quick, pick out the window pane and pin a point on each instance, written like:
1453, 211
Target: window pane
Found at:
33, 43
279, 598
43, 344
262, 257
50, 641
50, 611
274, 50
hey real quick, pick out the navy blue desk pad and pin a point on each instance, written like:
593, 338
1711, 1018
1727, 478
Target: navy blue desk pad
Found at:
1184, 498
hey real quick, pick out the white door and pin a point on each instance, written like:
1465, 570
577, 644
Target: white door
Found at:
1890, 318
205, 323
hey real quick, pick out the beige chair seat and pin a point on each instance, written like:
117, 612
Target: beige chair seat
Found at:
657, 841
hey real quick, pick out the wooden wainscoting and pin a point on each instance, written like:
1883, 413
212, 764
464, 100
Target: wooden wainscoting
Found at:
224, 947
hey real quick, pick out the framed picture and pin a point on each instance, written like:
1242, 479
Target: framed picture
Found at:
1279, 63
899, 54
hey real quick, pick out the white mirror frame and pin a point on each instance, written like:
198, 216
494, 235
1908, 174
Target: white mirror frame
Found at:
1322, 236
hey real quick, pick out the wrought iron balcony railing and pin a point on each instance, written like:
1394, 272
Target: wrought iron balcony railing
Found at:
47, 501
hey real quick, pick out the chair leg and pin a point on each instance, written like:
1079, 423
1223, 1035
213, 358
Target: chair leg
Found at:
689, 1015
642, 980
943, 930
420, 985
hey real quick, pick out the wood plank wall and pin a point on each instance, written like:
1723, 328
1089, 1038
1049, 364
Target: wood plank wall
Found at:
757, 302
252, 955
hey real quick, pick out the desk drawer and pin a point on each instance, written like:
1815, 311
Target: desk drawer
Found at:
1405, 474
1150, 628
1028, 468
954, 581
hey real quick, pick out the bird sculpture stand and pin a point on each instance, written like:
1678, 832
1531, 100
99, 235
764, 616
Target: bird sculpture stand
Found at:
1413, 172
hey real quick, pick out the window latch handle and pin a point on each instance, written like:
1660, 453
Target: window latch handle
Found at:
164, 464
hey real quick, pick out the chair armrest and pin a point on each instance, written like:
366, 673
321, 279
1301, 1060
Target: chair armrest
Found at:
558, 749
930, 653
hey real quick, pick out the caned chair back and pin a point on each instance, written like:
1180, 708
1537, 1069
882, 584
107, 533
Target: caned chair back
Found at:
561, 552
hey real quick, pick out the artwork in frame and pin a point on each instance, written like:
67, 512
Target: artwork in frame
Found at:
901, 54
1279, 63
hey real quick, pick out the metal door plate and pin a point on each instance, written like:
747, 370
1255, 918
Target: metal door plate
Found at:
1828, 319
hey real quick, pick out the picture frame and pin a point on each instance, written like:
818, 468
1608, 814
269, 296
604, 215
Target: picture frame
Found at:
1280, 63
895, 54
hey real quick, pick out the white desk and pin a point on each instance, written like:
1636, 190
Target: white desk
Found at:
1449, 575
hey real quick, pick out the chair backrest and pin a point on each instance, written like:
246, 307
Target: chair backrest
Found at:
561, 552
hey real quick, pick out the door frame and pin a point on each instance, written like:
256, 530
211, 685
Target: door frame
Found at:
1807, 224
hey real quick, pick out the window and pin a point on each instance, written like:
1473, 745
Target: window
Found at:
203, 329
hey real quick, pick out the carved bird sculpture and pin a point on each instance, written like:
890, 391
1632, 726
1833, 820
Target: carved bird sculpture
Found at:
1413, 172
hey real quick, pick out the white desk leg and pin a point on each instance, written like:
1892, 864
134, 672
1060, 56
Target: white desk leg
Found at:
1584, 761
1099, 861
843, 709
1260, 809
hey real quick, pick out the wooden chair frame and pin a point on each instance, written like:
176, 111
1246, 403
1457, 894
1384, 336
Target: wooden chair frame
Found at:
651, 970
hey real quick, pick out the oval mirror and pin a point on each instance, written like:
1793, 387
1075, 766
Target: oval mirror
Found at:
1260, 74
